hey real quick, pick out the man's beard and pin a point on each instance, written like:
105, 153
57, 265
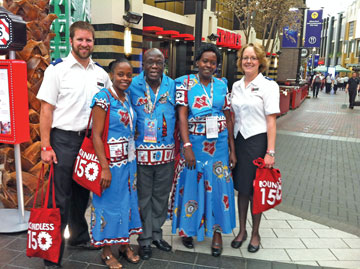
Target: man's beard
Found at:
77, 52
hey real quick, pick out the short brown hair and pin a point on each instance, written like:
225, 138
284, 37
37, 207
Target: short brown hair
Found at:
82, 25
260, 54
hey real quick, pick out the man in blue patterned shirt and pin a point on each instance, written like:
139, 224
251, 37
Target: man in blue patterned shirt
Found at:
152, 95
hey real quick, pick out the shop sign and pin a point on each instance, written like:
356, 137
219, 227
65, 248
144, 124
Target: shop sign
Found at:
228, 39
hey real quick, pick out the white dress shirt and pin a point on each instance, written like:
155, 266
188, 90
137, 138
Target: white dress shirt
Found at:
253, 103
70, 87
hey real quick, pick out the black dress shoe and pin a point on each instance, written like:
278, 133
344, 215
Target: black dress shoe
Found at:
237, 244
216, 249
188, 242
145, 252
253, 249
162, 245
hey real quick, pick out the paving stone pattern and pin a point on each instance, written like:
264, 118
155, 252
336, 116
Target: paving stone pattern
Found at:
321, 172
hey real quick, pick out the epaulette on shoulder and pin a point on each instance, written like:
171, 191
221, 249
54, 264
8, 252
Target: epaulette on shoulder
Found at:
56, 61
268, 78
99, 65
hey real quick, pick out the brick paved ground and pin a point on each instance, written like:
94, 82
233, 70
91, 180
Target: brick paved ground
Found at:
318, 153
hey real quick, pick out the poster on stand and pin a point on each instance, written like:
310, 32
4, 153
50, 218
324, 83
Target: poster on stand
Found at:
5, 121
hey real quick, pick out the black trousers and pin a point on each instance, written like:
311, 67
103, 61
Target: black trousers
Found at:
316, 88
71, 198
352, 96
328, 87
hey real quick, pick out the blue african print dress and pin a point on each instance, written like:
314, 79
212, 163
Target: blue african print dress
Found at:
115, 215
204, 197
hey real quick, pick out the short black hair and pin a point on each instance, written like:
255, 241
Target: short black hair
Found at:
114, 63
208, 47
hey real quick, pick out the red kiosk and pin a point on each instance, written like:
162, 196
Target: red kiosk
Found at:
14, 119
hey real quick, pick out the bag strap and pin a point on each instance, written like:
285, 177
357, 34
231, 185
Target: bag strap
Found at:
106, 125
187, 85
41, 178
51, 178
259, 162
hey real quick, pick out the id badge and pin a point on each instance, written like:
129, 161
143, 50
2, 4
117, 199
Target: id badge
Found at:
131, 149
116, 150
150, 134
212, 127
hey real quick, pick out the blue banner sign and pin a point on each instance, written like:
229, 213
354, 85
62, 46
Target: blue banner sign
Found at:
289, 38
316, 60
313, 29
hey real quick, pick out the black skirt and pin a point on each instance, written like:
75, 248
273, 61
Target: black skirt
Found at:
246, 151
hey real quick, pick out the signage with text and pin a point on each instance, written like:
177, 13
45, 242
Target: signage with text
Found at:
228, 39
313, 28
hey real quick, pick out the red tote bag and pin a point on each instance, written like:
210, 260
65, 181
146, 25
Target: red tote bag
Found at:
87, 170
267, 187
44, 229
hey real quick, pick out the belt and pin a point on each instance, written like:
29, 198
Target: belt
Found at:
77, 133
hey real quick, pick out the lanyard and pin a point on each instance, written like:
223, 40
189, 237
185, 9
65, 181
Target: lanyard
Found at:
211, 90
151, 105
130, 110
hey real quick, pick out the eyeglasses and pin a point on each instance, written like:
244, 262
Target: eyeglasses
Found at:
157, 63
252, 59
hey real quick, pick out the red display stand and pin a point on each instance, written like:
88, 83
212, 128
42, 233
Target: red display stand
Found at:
14, 113
284, 103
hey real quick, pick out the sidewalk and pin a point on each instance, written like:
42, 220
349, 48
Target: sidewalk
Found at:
318, 153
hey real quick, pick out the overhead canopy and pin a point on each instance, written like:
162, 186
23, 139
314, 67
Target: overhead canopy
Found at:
339, 68
320, 68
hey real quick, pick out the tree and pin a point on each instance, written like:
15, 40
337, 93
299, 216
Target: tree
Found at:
267, 17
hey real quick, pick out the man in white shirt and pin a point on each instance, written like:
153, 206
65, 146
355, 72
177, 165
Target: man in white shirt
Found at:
66, 92
328, 83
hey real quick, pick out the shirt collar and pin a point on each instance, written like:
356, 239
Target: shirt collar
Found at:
255, 82
73, 61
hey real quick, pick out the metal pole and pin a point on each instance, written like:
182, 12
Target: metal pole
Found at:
300, 46
198, 25
19, 181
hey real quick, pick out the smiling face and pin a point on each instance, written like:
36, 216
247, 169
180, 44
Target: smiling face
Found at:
153, 65
250, 62
82, 44
122, 76
207, 64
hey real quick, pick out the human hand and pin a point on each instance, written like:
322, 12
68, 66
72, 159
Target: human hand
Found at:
232, 160
189, 158
105, 178
49, 156
269, 161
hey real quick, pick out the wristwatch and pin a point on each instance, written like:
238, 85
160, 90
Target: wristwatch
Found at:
271, 153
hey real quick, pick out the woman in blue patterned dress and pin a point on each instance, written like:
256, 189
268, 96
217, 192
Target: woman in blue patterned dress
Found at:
115, 215
204, 196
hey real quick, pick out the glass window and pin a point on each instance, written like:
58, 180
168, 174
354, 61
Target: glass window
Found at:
225, 16
175, 7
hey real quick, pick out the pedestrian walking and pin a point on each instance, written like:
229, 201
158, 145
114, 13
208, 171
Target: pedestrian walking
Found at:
335, 84
316, 84
352, 87
255, 103
328, 83
66, 92
115, 214
152, 95
205, 206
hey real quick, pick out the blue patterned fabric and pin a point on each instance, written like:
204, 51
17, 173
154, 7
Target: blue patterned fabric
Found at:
162, 151
115, 215
204, 197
